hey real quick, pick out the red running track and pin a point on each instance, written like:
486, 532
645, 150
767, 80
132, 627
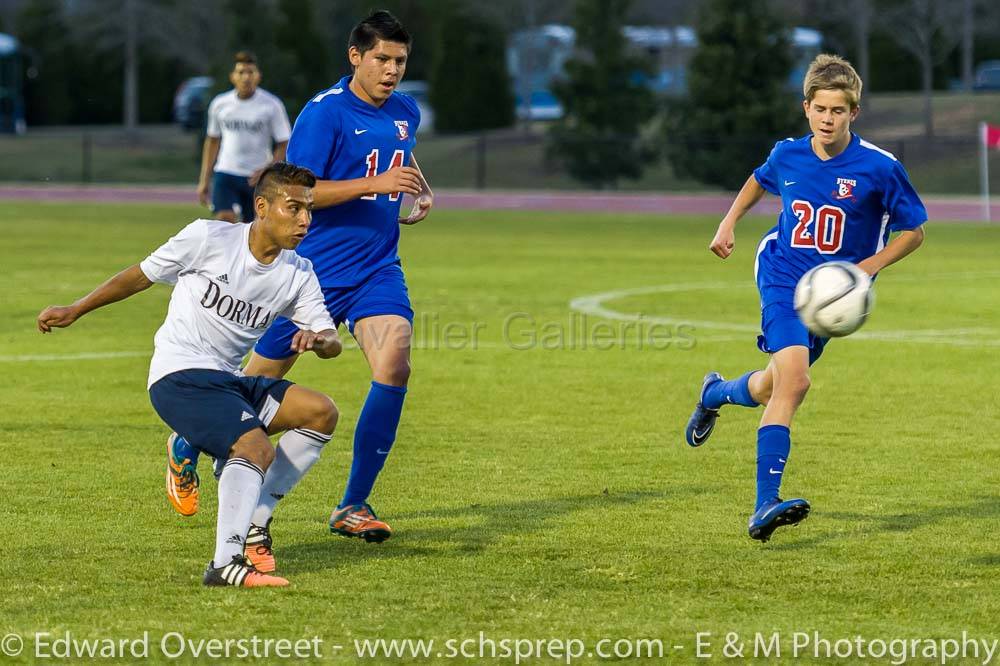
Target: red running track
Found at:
960, 209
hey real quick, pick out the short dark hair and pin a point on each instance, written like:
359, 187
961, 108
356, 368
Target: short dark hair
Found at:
245, 58
380, 24
282, 173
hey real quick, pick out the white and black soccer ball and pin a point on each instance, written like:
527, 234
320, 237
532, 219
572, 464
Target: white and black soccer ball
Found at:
834, 299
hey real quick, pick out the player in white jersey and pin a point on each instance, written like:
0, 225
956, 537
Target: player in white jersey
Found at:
242, 124
230, 282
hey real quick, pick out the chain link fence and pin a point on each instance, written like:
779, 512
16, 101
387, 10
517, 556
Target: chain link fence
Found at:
514, 159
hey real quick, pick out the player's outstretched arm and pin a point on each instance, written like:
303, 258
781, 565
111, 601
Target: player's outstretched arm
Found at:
425, 200
279, 152
119, 287
334, 192
325, 344
209, 153
900, 246
725, 239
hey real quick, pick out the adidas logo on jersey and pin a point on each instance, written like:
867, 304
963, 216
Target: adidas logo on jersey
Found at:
224, 278
246, 416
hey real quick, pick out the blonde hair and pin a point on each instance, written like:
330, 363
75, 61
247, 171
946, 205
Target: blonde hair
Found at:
831, 72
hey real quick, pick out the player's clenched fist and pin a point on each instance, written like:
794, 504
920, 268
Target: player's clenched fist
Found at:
421, 207
723, 243
56, 316
326, 343
400, 179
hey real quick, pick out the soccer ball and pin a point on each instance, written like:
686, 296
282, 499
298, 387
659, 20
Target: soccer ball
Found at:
834, 299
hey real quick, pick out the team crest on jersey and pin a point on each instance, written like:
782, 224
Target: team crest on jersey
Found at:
402, 129
845, 188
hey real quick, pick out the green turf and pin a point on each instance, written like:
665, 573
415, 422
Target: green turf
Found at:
539, 493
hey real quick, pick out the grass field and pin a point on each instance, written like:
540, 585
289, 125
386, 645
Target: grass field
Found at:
538, 491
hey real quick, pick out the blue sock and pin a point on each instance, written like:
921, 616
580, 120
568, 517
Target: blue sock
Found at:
183, 449
773, 444
734, 392
373, 438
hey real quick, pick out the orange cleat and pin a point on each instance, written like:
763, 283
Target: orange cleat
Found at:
182, 481
240, 573
258, 548
358, 520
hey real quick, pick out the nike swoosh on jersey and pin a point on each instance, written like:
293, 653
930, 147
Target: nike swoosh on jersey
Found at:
360, 131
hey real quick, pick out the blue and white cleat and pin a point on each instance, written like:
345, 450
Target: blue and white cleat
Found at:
775, 514
702, 421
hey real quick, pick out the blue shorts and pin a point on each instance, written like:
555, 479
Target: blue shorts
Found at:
781, 325
233, 193
384, 293
212, 409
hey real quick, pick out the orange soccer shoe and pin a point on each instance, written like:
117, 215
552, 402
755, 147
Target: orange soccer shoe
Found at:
182, 481
358, 520
258, 548
240, 573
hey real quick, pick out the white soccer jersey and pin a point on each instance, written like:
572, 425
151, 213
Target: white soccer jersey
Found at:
246, 127
224, 299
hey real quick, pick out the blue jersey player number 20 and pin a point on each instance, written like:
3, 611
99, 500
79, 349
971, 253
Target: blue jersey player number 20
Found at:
842, 197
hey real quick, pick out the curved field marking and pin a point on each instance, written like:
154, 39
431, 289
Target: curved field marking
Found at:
594, 304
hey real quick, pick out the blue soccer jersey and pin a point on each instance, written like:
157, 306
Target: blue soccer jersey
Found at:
340, 137
843, 208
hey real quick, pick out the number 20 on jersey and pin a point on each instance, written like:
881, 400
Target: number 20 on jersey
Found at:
827, 236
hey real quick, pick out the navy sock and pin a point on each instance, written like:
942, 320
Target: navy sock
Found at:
773, 444
373, 438
733, 392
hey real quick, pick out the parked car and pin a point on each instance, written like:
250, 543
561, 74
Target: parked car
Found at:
191, 102
987, 76
418, 91
11, 86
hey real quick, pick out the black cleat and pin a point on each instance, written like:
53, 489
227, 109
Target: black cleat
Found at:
775, 514
702, 421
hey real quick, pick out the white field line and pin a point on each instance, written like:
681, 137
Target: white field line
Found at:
74, 356
102, 356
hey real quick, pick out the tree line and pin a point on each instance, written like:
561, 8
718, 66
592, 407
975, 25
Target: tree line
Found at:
119, 61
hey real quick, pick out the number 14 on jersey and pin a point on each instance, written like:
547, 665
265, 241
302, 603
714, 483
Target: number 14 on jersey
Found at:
371, 170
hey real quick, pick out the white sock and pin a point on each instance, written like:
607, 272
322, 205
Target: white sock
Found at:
297, 451
239, 490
